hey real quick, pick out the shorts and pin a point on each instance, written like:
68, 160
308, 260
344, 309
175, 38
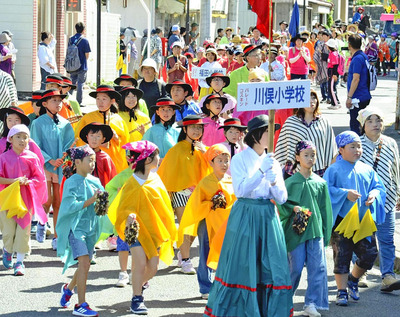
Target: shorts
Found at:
51, 177
343, 249
180, 199
123, 246
79, 247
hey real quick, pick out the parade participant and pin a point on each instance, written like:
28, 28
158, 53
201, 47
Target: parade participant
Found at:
22, 175
276, 70
230, 64
95, 134
36, 95
145, 198
283, 27
333, 64
239, 59
310, 44
308, 194
253, 236
393, 52
382, 153
212, 62
137, 121
125, 80
66, 90
5, 54
227, 38
107, 113
252, 53
371, 50
212, 107
320, 57
177, 64
179, 91
11, 117
299, 58
234, 133
358, 198
307, 124
79, 225
207, 214
164, 133
357, 15
54, 135
383, 55
185, 159
188, 76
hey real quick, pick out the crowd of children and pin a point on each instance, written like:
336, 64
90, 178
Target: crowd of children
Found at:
259, 217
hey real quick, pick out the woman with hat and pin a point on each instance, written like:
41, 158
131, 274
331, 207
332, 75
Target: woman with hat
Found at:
181, 170
212, 62
253, 237
299, 58
227, 38
306, 124
382, 153
5, 54
107, 113
283, 27
212, 108
138, 122
164, 133
54, 135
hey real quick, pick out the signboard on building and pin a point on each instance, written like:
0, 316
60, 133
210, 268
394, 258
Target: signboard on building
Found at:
73, 5
203, 73
273, 95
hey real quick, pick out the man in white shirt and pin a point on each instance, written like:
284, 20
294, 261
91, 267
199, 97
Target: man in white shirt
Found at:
46, 57
277, 69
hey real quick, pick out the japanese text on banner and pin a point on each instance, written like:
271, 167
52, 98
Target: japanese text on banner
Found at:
203, 73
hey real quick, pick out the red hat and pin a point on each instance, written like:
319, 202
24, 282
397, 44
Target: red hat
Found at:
191, 119
360, 8
108, 90
55, 79
126, 77
4, 112
166, 101
181, 83
249, 48
48, 94
189, 55
67, 81
94, 126
220, 75
233, 122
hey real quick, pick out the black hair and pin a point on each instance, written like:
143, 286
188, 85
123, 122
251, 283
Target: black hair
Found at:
122, 106
44, 35
170, 122
182, 135
158, 30
140, 165
79, 27
332, 49
253, 137
219, 30
355, 41
5, 128
362, 129
95, 129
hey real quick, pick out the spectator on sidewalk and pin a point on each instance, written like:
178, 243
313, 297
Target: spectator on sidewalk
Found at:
358, 95
47, 61
174, 37
13, 51
156, 47
5, 54
79, 77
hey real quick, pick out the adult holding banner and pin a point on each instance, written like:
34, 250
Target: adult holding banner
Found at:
299, 58
252, 54
211, 56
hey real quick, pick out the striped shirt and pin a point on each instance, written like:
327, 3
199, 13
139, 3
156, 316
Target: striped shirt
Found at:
8, 92
387, 165
320, 132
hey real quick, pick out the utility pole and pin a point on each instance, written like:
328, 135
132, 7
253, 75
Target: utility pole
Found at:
98, 76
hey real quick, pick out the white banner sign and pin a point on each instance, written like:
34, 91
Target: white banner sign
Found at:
203, 73
273, 95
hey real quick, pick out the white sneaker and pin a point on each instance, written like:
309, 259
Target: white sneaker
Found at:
311, 311
362, 282
204, 296
187, 267
112, 243
54, 244
123, 279
179, 257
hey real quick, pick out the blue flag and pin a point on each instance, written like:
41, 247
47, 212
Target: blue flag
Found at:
294, 22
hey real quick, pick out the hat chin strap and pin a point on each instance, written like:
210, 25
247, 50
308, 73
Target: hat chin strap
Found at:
55, 117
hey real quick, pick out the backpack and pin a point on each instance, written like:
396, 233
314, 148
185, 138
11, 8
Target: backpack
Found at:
372, 76
72, 62
341, 65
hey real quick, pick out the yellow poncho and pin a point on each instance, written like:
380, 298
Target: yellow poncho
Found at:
152, 206
133, 125
199, 208
181, 169
114, 149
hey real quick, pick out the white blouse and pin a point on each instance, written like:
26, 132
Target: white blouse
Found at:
249, 182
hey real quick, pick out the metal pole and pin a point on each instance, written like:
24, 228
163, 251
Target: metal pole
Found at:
98, 76
304, 12
187, 22
148, 26
271, 113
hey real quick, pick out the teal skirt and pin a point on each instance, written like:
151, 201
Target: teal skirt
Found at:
253, 277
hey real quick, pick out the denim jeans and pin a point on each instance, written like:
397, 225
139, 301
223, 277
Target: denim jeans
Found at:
354, 124
324, 90
79, 78
203, 271
43, 74
385, 236
312, 254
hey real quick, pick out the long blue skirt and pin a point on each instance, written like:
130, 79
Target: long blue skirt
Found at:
253, 277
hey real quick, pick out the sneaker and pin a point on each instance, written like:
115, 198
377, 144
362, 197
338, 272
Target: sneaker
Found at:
342, 298
323, 99
332, 107
352, 288
390, 283
34, 227
187, 267
204, 296
19, 269
179, 256
310, 310
7, 259
40, 233
54, 244
66, 294
123, 279
362, 282
112, 243
84, 310
137, 306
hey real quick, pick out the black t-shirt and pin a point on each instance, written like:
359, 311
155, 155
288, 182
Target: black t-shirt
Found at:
122, 47
151, 93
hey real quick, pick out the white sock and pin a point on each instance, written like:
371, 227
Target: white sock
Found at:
20, 257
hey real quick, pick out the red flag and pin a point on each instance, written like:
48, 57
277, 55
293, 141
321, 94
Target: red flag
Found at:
263, 9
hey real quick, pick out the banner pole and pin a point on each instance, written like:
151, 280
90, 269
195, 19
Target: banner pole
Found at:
271, 113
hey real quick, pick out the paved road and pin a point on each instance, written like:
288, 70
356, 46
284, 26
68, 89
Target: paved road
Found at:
171, 293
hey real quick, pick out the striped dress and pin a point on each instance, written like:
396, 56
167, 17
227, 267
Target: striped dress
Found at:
8, 92
320, 132
386, 163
